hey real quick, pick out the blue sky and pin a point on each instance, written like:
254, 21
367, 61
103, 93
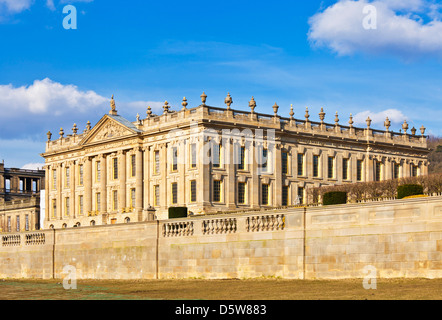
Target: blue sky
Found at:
305, 53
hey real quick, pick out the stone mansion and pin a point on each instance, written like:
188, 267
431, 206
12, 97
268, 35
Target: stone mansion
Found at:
211, 159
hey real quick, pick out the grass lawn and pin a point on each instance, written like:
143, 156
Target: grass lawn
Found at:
259, 289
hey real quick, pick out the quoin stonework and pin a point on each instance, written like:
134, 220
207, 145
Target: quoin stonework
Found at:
212, 160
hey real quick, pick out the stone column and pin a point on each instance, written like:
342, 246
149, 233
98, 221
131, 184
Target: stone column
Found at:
182, 185
388, 168
256, 182
163, 174
369, 168
231, 173
47, 189
339, 168
277, 168
122, 179
204, 183
2, 183
139, 181
103, 183
60, 208
323, 160
73, 171
87, 181
15, 184
308, 165
407, 168
146, 174
424, 168
353, 168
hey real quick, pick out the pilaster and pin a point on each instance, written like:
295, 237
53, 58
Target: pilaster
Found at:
122, 180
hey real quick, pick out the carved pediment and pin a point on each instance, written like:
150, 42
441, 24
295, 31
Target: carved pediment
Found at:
110, 130
107, 129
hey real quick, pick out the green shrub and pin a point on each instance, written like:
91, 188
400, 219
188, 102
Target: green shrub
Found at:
407, 190
177, 212
334, 197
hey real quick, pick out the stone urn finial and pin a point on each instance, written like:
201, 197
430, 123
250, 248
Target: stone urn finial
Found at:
413, 131
292, 113
252, 104
61, 132
49, 135
75, 129
405, 127
149, 112
184, 104
203, 98
368, 121
322, 115
336, 119
307, 115
351, 122
228, 101
166, 107
387, 124
275, 109
423, 129
88, 126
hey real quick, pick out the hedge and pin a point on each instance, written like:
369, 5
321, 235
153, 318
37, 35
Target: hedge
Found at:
177, 212
387, 189
407, 190
335, 197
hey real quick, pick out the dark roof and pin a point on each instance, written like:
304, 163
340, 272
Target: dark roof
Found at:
125, 122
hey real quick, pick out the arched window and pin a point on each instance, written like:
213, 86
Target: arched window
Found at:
64, 226
93, 223
127, 220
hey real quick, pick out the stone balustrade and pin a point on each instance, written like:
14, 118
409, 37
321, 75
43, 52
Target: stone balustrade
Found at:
173, 120
265, 223
179, 229
27, 239
11, 240
35, 238
219, 226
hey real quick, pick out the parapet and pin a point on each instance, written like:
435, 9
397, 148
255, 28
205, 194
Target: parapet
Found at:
205, 114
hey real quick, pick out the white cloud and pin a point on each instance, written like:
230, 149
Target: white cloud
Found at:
33, 166
378, 118
401, 28
28, 112
46, 96
8, 7
14, 6
415, 5
50, 4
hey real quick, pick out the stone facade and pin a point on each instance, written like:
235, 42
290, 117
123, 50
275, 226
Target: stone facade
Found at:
400, 239
213, 160
20, 199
